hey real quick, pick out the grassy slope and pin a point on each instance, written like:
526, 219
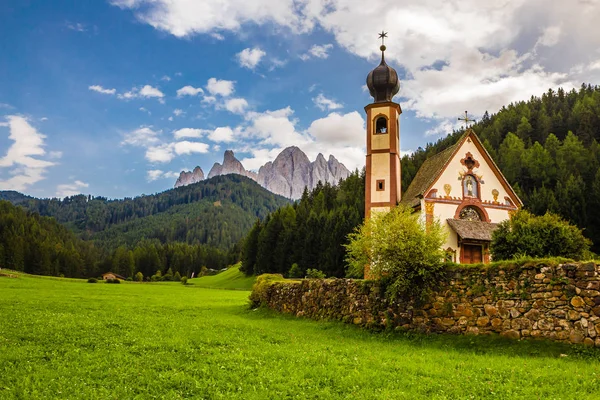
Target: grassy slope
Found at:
70, 339
230, 279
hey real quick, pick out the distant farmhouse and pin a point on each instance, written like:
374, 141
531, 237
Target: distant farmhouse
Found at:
112, 275
461, 186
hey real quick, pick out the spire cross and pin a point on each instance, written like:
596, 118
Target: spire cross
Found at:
466, 119
382, 36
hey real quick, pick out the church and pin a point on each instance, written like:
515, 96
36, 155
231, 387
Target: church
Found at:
462, 186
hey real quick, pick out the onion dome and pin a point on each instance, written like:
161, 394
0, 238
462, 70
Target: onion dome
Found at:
383, 81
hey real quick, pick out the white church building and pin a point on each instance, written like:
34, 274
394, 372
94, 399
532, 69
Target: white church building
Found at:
462, 186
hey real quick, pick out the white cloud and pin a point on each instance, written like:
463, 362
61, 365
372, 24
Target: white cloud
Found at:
220, 87
317, 51
144, 136
146, 91
144, 109
155, 174
189, 91
43, 119
23, 155
236, 105
149, 91
164, 153
326, 104
209, 99
178, 112
338, 129
100, 89
76, 26
222, 134
190, 133
55, 154
249, 58
166, 78
183, 17
70, 189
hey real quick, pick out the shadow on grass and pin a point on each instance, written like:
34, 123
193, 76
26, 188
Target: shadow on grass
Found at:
489, 344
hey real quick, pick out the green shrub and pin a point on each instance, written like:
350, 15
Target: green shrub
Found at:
398, 246
92, 280
184, 280
527, 235
139, 277
156, 278
314, 274
258, 297
295, 271
177, 277
112, 280
129, 279
168, 275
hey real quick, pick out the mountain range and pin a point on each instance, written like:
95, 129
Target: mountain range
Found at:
287, 175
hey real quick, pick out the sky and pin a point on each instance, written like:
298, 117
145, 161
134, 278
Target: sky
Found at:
115, 97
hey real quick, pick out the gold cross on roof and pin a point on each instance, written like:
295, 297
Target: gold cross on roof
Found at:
382, 36
466, 119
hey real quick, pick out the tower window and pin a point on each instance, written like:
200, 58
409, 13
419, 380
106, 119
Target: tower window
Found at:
381, 125
380, 185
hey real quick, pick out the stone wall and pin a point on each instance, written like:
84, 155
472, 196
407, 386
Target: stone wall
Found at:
556, 302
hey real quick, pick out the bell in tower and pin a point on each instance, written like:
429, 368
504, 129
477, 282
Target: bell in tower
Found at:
382, 190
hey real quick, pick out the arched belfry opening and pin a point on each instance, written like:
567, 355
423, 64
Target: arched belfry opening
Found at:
381, 125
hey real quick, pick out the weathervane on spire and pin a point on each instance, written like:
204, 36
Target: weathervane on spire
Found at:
466, 120
382, 36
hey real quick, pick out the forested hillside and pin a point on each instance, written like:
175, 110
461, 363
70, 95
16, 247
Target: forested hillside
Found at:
546, 147
217, 212
310, 233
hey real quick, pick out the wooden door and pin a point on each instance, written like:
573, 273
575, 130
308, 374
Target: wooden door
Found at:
472, 254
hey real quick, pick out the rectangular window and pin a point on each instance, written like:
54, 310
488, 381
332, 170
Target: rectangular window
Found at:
380, 185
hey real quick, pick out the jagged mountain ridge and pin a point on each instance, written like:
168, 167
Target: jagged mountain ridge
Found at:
287, 175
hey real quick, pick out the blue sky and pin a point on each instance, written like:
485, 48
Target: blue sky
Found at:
115, 98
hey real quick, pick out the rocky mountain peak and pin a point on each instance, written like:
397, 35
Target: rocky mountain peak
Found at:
189, 177
287, 175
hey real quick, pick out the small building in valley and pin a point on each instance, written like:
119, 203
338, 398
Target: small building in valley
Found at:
112, 275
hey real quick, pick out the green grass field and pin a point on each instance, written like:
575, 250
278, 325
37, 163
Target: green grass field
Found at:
230, 279
70, 339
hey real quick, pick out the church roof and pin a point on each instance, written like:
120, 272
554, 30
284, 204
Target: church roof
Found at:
434, 166
427, 174
473, 230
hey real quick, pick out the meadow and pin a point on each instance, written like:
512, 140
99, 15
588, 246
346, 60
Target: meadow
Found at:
65, 338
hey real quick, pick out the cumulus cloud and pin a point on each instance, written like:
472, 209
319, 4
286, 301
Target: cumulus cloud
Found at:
222, 134
146, 91
249, 58
166, 78
178, 112
317, 51
70, 189
190, 133
338, 129
100, 89
326, 104
23, 155
155, 174
220, 87
143, 136
236, 105
166, 152
189, 91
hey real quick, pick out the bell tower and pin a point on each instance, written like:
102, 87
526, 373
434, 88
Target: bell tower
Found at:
382, 186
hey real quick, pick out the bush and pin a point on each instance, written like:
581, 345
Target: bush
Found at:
129, 279
527, 235
314, 274
184, 280
400, 247
259, 289
112, 280
168, 275
295, 271
156, 278
177, 277
92, 280
139, 277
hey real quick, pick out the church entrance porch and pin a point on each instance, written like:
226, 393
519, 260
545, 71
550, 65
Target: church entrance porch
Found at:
474, 238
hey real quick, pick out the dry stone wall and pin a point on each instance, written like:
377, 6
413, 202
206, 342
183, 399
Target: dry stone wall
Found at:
556, 302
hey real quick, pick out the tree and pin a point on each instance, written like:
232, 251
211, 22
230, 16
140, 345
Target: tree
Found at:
538, 236
398, 246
